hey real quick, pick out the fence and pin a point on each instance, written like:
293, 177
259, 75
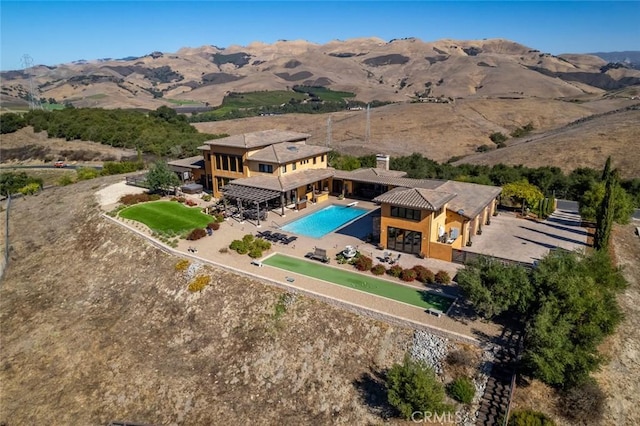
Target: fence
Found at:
462, 257
5, 254
138, 180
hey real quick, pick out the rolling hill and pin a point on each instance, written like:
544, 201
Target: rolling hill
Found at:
372, 68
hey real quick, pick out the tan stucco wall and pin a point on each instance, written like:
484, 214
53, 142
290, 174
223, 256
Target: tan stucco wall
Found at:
438, 220
454, 220
424, 226
440, 251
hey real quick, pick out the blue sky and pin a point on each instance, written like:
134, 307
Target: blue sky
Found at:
54, 32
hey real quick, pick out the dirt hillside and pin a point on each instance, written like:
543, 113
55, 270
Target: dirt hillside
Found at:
98, 326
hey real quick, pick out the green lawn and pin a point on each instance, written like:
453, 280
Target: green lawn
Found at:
165, 216
362, 282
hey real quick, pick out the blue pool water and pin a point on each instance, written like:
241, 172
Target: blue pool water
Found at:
324, 221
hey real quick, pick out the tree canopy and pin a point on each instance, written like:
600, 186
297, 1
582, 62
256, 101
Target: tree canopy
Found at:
160, 178
156, 132
494, 288
523, 191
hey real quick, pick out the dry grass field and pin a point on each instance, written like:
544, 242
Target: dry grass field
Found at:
98, 326
583, 145
27, 147
442, 131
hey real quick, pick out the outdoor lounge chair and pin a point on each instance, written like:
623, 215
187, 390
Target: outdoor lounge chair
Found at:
318, 254
289, 240
396, 260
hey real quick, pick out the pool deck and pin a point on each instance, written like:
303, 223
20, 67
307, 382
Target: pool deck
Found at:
456, 325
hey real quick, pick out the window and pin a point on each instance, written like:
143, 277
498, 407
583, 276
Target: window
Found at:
405, 213
304, 161
265, 168
322, 158
293, 166
404, 240
231, 163
315, 159
283, 169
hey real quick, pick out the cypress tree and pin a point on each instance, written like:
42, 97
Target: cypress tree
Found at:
607, 169
606, 211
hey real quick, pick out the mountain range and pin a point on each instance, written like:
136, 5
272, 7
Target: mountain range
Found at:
371, 68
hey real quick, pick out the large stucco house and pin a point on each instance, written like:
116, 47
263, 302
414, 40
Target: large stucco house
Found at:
273, 169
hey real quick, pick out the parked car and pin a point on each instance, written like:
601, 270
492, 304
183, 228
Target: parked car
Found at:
59, 164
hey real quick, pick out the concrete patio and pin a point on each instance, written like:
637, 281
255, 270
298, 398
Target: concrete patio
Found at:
214, 249
527, 240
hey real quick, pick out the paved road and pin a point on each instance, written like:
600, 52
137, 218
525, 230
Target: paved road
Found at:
69, 166
573, 206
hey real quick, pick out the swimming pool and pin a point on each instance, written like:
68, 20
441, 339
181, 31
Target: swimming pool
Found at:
322, 222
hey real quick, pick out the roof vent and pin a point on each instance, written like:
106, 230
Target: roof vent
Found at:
292, 148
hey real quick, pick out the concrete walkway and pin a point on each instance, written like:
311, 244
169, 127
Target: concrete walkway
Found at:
213, 250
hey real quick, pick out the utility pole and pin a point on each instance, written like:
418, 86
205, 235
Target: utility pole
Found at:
34, 99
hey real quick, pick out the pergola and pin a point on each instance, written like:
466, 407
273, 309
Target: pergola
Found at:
242, 193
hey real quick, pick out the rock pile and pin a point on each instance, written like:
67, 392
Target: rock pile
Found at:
430, 348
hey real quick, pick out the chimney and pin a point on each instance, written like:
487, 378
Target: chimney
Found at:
382, 161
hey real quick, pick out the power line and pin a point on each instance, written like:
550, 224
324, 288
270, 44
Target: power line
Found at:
34, 98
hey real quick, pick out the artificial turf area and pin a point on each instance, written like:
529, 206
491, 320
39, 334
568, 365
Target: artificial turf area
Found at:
165, 216
362, 282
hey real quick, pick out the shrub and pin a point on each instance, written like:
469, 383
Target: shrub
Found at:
116, 168
218, 218
363, 263
462, 389
199, 283
196, 234
460, 358
182, 265
408, 275
206, 197
378, 270
181, 199
255, 252
251, 245
65, 180
262, 244
131, 199
86, 173
412, 386
190, 203
483, 148
224, 250
30, 189
424, 275
529, 418
236, 244
443, 277
214, 226
395, 271
584, 403
498, 137
154, 197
